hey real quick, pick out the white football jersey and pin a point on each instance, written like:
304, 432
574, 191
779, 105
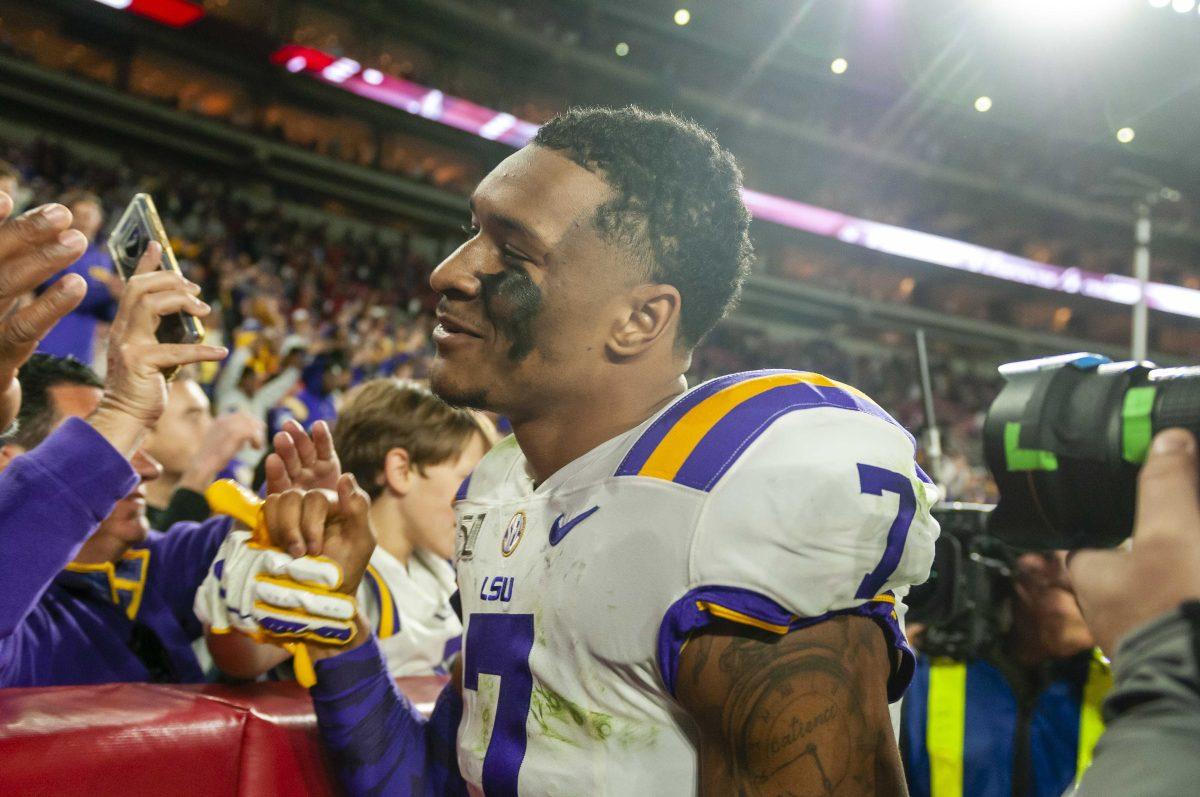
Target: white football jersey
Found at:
774, 498
410, 612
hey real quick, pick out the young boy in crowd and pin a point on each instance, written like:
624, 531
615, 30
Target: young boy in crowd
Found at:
410, 452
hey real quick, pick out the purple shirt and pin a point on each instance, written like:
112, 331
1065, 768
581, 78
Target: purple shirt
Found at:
62, 626
75, 335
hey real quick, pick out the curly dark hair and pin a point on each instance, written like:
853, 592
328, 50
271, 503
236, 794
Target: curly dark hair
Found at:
38, 414
678, 204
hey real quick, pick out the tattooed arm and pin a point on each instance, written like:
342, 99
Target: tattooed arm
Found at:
805, 713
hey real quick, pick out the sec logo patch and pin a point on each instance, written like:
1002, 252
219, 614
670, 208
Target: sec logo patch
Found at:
513, 534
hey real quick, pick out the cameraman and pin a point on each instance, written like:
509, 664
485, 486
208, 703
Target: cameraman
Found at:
1020, 718
1143, 605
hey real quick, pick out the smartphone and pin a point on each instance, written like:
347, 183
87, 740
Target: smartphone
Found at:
138, 226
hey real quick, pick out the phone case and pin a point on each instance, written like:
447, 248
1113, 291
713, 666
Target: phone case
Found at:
137, 227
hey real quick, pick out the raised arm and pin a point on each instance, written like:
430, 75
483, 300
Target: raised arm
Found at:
228, 379
800, 713
274, 391
379, 742
54, 497
33, 247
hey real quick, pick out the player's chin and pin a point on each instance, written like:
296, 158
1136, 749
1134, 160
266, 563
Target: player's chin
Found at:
458, 384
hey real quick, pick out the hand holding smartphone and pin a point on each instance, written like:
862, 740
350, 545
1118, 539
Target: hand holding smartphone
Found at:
138, 226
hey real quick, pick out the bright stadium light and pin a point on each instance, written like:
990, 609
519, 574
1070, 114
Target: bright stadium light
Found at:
1183, 6
983, 104
372, 76
622, 49
174, 13
683, 16
1063, 14
839, 66
465, 115
1159, 3
341, 70
1125, 135
296, 63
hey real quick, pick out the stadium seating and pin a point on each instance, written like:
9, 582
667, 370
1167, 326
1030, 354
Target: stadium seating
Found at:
152, 739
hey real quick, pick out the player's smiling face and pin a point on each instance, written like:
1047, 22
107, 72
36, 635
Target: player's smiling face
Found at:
529, 299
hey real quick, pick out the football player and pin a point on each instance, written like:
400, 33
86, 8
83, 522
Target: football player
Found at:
664, 591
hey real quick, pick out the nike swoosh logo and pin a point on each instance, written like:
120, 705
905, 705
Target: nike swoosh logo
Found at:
558, 529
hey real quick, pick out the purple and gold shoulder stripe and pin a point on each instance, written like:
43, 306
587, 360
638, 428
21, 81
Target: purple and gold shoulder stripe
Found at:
696, 440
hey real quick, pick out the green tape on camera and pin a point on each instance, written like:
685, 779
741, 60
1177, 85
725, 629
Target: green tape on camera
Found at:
1136, 428
1018, 459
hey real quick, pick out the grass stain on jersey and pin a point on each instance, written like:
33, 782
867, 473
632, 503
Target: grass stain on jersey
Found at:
487, 695
562, 720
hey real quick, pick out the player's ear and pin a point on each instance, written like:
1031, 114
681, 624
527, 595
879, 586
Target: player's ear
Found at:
651, 314
397, 472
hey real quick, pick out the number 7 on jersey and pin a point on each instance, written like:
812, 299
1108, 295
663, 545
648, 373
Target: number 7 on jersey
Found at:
876, 481
499, 644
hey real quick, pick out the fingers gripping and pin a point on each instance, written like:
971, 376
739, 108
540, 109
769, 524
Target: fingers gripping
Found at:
295, 598
273, 597
319, 572
287, 594
314, 511
267, 593
1168, 499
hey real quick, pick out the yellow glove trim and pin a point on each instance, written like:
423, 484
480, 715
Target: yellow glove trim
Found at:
302, 664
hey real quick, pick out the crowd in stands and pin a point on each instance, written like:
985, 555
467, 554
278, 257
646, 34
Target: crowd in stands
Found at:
853, 187
308, 311
875, 193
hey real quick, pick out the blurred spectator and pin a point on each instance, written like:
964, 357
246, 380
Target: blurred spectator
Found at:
121, 609
75, 335
192, 449
10, 180
1023, 718
240, 388
53, 389
323, 380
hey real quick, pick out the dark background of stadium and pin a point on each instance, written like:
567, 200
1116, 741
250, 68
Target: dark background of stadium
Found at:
277, 183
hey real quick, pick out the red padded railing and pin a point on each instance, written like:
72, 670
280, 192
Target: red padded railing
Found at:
150, 739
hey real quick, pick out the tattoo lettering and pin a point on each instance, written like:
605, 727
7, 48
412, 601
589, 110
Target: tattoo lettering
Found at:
803, 714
